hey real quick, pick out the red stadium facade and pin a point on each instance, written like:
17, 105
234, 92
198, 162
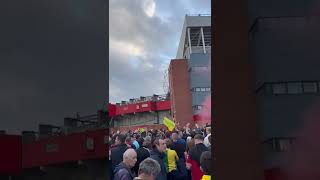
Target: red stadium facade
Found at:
143, 112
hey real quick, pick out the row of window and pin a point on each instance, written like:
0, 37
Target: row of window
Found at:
279, 145
201, 89
197, 107
199, 69
301, 87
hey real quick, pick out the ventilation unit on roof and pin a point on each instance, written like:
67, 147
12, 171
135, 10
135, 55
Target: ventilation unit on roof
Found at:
28, 136
70, 122
47, 130
142, 98
155, 97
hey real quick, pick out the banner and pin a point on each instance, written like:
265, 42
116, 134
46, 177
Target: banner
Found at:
169, 123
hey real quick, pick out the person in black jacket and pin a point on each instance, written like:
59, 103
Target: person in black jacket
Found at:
142, 154
118, 150
158, 154
195, 153
179, 145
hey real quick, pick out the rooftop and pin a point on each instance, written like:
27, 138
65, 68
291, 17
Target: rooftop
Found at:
195, 23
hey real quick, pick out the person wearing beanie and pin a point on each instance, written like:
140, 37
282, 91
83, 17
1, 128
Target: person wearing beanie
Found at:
142, 154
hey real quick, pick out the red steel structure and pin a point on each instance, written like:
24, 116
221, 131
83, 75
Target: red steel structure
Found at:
62, 149
10, 154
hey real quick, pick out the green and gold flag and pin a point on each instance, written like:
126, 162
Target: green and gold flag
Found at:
169, 123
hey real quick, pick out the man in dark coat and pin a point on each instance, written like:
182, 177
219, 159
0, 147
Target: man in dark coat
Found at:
179, 145
142, 154
124, 170
118, 150
158, 154
194, 157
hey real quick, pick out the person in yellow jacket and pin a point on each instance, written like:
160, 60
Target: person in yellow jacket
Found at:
205, 165
170, 160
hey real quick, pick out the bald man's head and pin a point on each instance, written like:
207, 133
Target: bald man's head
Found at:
130, 157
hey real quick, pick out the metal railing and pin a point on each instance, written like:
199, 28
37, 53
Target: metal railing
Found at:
162, 97
198, 14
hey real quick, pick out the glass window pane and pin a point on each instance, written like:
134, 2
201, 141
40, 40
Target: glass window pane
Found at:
284, 145
203, 89
197, 89
279, 88
267, 88
295, 88
310, 87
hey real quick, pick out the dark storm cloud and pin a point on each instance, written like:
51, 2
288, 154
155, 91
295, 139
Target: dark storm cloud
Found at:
52, 61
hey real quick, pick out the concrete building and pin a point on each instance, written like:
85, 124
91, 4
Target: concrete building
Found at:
284, 51
195, 49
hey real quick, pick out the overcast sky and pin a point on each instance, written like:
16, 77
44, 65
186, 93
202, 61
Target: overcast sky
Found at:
143, 37
53, 61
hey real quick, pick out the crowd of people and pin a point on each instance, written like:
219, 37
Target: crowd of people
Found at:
181, 154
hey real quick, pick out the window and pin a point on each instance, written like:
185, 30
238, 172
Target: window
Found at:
199, 68
279, 144
283, 145
279, 88
197, 107
302, 87
294, 88
201, 89
310, 87
268, 88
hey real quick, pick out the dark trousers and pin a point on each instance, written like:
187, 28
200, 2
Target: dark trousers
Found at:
171, 176
189, 175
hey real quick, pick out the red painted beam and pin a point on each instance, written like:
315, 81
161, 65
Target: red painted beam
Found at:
10, 154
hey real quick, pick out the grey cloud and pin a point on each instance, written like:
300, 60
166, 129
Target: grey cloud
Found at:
158, 36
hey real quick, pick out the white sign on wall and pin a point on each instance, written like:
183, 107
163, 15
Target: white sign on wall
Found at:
144, 105
90, 144
52, 147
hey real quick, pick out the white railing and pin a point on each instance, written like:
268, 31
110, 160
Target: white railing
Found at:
162, 97
198, 14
